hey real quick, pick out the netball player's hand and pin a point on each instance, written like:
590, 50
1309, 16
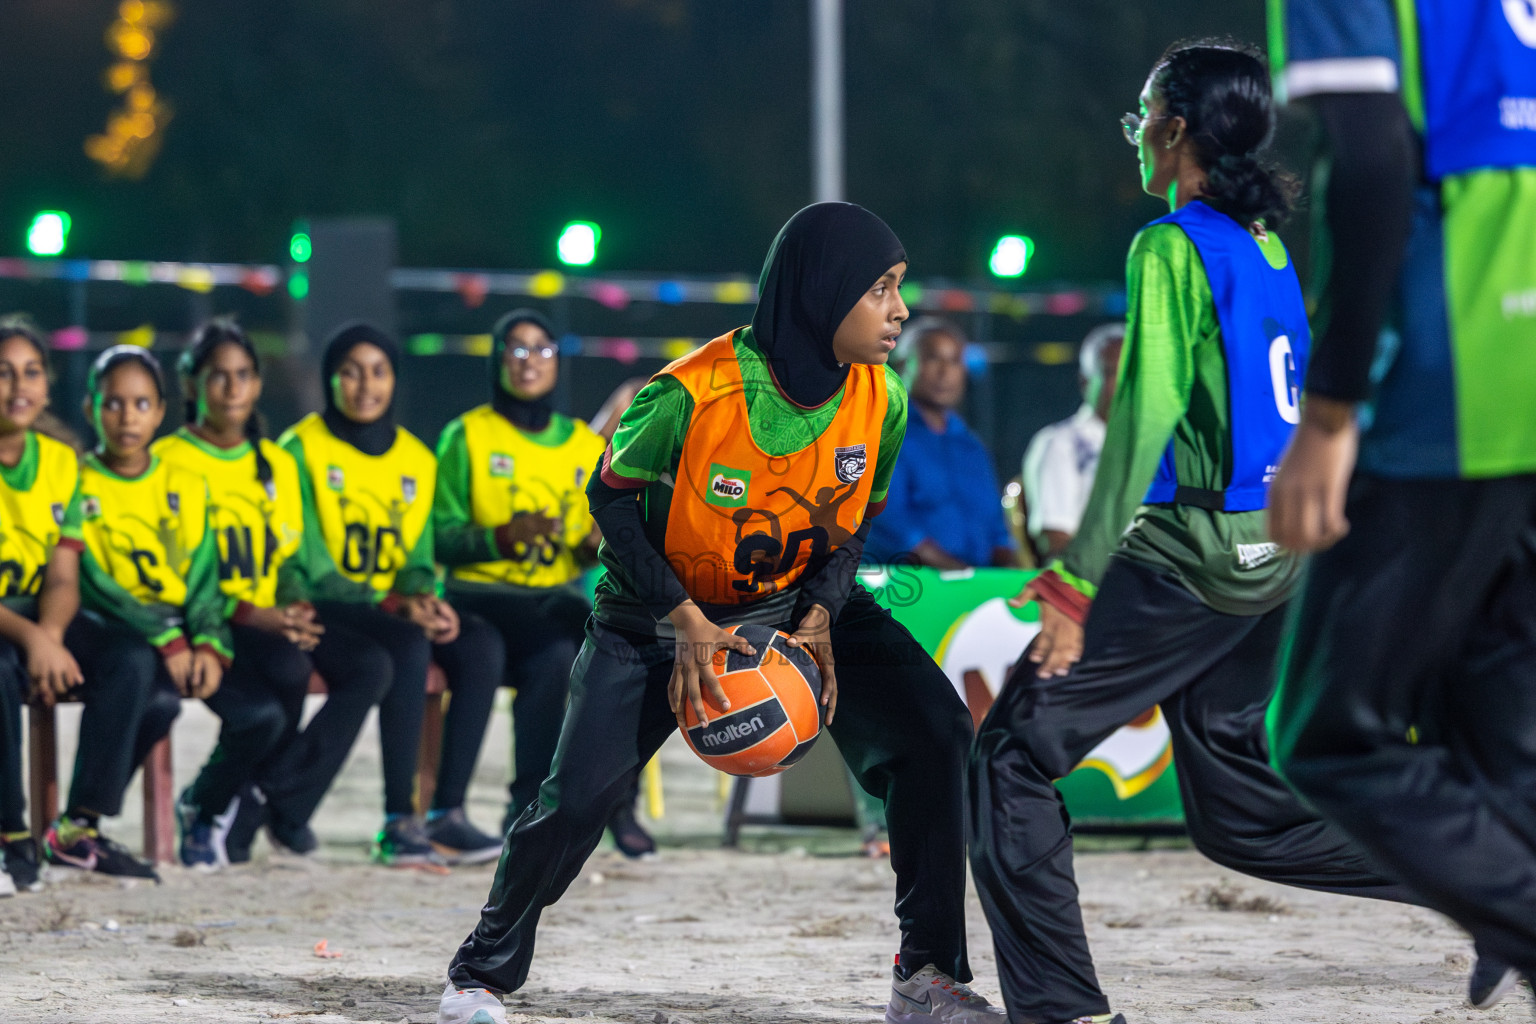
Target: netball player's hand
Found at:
179, 667
206, 674
1306, 497
447, 629
693, 670
530, 527
293, 622
53, 669
1059, 644
815, 635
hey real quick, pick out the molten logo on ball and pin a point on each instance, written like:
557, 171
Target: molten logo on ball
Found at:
775, 712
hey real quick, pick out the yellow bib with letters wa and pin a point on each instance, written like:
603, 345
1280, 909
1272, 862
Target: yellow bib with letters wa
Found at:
257, 526
372, 509
511, 472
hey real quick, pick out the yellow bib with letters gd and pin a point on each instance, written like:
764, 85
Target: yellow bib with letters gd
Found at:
372, 509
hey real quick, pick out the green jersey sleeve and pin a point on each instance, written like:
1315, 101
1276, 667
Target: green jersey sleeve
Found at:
205, 610
650, 433
892, 432
158, 624
457, 538
419, 574
1169, 298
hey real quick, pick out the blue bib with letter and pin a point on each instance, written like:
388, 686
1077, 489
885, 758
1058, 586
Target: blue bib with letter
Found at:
1265, 337
1478, 69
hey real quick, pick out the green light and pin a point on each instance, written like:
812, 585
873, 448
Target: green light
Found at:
298, 284
577, 246
300, 248
1011, 255
49, 233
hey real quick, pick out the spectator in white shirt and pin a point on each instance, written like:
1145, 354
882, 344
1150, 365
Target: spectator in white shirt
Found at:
1061, 459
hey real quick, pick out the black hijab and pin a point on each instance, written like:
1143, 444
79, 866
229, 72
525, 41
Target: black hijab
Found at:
369, 438
530, 414
821, 264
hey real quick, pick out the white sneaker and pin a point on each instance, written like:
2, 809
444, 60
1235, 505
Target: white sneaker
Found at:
470, 1006
930, 995
7, 884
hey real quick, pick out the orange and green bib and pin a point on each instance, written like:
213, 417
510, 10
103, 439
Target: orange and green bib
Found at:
743, 524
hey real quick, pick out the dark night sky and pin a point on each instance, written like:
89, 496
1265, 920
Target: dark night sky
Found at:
681, 127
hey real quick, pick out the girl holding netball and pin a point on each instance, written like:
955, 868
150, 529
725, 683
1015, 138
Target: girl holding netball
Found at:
800, 422
1170, 593
366, 563
153, 629
39, 590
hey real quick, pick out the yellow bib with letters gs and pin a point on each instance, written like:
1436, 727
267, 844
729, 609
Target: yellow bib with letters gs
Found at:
30, 519
142, 531
257, 526
744, 524
511, 473
372, 509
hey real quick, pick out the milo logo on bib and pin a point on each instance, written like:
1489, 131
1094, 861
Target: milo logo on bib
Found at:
727, 487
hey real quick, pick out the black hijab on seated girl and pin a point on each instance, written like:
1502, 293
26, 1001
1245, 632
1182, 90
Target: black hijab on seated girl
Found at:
530, 414
820, 265
369, 438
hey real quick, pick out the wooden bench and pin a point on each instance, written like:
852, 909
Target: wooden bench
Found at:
159, 780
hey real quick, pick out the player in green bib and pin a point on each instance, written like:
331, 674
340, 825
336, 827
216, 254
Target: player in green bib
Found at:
39, 590
366, 562
513, 530
150, 595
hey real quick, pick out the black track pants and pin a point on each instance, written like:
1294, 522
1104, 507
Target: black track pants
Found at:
1407, 707
1148, 641
899, 724
259, 704
130, 703
15, 685
541, 633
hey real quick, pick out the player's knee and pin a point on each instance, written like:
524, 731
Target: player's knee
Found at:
265, 725
162, 708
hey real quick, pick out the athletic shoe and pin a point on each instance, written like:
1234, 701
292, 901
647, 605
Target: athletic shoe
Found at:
21, 863
74, 844
1118, 1018
299, 840
7, 886
458, 841
404, 842
240, 821
1491, 980
930, 997
200, 845
470, 1006
632, 841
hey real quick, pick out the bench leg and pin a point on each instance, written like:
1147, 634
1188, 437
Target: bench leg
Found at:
159, 805
43, 771
431, 751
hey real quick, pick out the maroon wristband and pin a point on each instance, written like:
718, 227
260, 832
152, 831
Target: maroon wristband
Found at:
1051, 589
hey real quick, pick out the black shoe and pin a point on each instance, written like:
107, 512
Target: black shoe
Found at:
459, 841
240, 822
404, 842
297, 839
1491, 980
23, 863
76, 844
632, 840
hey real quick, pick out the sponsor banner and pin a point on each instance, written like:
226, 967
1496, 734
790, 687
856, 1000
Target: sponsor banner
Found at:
964, 621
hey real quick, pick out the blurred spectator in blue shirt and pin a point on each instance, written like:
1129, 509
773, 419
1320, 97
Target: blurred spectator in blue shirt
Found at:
944, 508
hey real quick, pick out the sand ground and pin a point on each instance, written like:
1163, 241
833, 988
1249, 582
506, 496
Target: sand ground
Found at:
794, 927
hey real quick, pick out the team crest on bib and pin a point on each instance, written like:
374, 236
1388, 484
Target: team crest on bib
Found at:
408, 488
335, 479
57, 508
174, 500
849, 462
501, 464
270, 487
90, 506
